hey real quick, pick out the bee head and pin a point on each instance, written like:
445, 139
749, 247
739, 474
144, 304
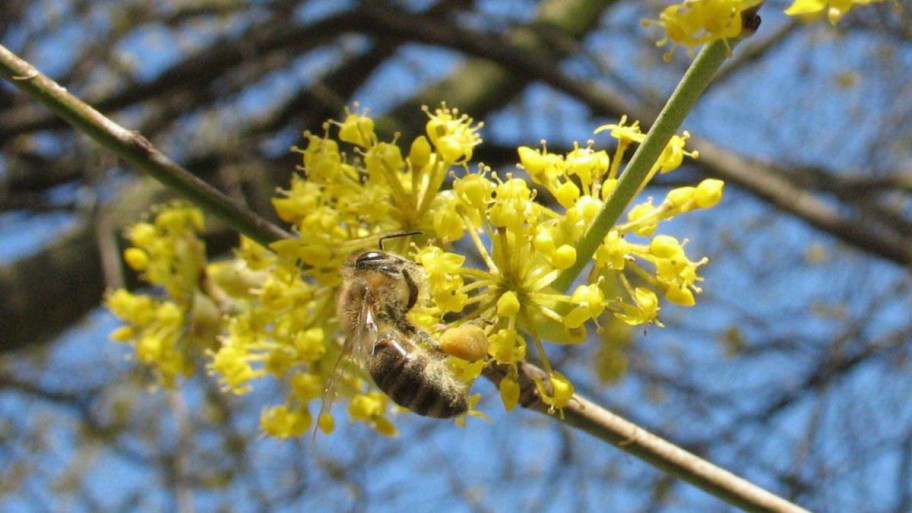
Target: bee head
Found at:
381, 262
389, 272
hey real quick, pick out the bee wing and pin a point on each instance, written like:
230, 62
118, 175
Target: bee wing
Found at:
359, 347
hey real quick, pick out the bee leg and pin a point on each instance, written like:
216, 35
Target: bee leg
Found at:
431, 343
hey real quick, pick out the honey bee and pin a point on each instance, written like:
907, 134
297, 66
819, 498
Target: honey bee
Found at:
404, 361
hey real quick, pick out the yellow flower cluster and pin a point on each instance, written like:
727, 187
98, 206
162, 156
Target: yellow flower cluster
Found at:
834, 9
692, 23
167, 332
276, 308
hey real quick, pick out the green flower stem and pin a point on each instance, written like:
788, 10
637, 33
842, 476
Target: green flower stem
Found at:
682, 100
135, 149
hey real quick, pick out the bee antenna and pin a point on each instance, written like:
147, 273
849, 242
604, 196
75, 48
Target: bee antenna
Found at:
397, 235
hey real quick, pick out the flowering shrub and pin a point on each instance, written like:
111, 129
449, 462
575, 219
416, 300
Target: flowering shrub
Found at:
270, 313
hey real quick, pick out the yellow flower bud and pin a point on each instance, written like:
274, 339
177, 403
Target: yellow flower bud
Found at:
508, 304
544, 242
509, 393
564, 257
680, 196
709, 193
274, 295
665, 246
419, 153
608, 187
326, 423
137, 259
142, 234
680, 296
123, 333
385, 427
532, 160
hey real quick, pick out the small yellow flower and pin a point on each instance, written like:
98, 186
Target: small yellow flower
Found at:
443, 278
234, 370
282, 422
675, 273
589, 303
673, 154
474, 191
509, 392
384, 162
448, 224
613, 251
835, 9
358, 130
506, 346
453, 135
306, 387
310, 345
561, 391
695, 22
644, 310
643, 218
513, 205
369, 408
623, 132
364, 407
137, 310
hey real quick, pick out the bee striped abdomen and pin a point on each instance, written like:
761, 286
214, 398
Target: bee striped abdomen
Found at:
416, 379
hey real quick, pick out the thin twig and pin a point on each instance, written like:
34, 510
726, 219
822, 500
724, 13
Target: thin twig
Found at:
585, 415
135, 149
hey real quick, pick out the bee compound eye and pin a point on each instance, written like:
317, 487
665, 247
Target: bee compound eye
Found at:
370, 256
